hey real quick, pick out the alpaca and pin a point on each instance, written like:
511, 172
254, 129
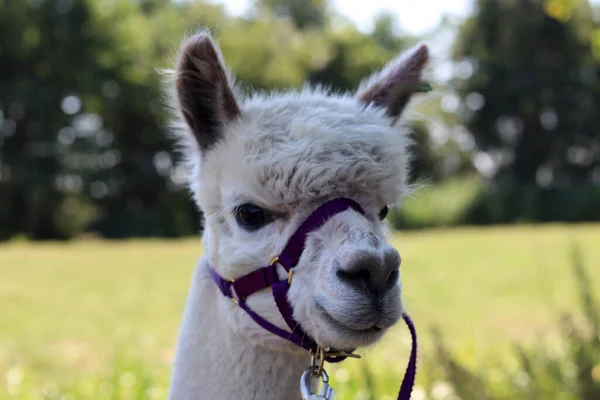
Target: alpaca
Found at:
259, 165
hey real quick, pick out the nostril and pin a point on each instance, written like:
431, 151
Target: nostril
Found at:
358, 278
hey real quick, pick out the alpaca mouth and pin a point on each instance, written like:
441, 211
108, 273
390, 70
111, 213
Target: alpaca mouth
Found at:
373, 329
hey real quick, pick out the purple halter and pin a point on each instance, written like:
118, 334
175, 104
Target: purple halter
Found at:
240, 288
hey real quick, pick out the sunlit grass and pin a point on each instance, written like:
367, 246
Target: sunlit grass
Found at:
68, 310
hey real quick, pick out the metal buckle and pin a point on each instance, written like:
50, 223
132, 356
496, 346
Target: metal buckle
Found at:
274, 261
322, 353
234, 296
327, 352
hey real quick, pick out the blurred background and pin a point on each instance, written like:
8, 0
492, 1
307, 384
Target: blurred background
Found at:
500, 239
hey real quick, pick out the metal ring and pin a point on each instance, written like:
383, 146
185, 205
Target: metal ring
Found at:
234, 296
274, 261
324, 375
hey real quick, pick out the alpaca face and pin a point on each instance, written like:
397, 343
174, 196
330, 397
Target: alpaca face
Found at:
289, 156
261, 165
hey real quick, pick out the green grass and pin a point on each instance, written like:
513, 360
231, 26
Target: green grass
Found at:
70, 313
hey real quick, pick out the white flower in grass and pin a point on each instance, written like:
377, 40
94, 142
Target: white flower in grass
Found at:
441, 390
418, 393
14, 380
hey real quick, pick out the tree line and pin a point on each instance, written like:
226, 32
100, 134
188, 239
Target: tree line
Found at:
83, 143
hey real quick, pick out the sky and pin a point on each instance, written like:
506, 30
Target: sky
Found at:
414, 16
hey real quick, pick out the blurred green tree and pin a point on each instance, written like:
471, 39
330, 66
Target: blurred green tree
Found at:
529, 87
353, 56
82, 123
386, 33
83, 141
303, 13
43, 71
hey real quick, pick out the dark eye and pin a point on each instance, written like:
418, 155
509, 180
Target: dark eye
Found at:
251, 217
384, 212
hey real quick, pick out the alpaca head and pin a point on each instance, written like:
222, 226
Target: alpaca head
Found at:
260, 164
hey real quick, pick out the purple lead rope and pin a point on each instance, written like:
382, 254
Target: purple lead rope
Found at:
411, 370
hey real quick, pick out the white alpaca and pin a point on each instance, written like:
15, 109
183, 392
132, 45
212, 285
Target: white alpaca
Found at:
259, 166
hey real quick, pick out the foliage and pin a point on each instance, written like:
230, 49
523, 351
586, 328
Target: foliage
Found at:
83, 128
508, 202
475, 201
529, 90
353, 56
433, 162
444, 204
567, 367
82, 123
303, 13
83, 141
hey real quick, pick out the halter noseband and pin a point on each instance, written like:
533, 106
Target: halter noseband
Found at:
240, 288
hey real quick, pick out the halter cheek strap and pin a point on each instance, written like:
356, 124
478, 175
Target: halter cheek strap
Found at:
240, 288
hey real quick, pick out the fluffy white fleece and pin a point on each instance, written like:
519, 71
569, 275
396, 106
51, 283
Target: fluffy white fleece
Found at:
286, 152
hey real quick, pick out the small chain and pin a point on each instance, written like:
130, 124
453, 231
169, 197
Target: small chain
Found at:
320, 355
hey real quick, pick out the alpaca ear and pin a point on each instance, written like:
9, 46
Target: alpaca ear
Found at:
204, 95
393, 86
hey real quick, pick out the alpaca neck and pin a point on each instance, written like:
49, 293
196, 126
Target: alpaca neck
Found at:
212, 361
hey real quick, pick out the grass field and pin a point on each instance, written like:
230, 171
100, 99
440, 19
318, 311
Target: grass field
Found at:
68, 311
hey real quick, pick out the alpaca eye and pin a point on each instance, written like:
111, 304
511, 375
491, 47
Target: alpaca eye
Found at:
251, 217
384, 212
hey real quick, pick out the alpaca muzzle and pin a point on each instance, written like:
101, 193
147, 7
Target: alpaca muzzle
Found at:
240, 288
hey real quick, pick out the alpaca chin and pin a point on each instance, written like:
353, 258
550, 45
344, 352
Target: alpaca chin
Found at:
357, 321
